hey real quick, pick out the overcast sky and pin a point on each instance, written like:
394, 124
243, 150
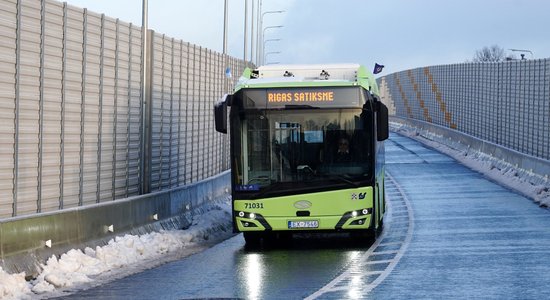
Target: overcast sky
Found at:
400, 34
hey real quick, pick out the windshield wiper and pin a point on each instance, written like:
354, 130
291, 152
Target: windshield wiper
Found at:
344, 179
337, 177
299, 106
340, 178
268, 189
279, 187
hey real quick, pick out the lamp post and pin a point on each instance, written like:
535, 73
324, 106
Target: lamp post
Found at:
225, 27
245, 29
263, 48
260, 25
274, 52
252, 21
270, 40
145, 100
262, 59
523, 50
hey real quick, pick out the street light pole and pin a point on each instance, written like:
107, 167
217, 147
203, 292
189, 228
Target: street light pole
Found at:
276, 52
260, 33
245, 29
252, 20
225, 27
144, 185
270, 40
225, 79
258, 28
262, 59
265, 43
523, 50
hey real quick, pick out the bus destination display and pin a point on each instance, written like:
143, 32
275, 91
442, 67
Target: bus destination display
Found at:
311, 97
300, 96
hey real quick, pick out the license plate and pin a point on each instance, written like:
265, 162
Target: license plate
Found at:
303, 224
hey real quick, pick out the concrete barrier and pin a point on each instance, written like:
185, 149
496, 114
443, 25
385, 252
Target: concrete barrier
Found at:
26, 242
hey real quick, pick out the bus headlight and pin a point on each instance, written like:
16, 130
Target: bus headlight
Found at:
362, 212
246, 215
249, 219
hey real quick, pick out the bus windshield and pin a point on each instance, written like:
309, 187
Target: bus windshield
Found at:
296, 151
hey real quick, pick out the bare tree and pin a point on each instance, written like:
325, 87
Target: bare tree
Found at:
490, 54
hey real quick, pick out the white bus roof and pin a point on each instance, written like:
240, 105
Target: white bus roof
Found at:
321, 71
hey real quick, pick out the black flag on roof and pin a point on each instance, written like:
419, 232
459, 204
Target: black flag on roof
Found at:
377, 68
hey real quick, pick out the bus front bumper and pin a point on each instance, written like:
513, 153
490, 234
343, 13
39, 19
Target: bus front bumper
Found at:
352, 220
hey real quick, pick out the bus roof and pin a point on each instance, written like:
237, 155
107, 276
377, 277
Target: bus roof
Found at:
272, 76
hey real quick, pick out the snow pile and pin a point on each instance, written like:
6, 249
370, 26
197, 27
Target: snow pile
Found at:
534, 186
13, 286
122, 255
509, 175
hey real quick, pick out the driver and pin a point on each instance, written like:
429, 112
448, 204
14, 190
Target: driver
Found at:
343, 154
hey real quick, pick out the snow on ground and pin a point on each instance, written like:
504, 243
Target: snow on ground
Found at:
497, 170
122, 256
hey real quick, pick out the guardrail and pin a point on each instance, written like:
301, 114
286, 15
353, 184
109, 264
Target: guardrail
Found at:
26, 242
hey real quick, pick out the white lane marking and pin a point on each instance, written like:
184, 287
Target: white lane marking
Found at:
391, 243
331, 286
405, 245
378, 262
385, 252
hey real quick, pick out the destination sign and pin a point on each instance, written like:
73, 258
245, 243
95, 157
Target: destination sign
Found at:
300, 96
305, 96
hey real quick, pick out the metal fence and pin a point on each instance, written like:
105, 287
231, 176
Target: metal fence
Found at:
74, 125
506, 103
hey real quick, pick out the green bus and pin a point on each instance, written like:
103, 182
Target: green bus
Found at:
307, 150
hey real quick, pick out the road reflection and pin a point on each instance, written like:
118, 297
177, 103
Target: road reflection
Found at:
253, 268
295, 267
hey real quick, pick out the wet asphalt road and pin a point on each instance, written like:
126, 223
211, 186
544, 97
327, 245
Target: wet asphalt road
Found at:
229, 270
472, 238
450, 233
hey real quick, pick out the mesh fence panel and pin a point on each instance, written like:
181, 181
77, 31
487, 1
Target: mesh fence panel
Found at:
507, 103
72, 113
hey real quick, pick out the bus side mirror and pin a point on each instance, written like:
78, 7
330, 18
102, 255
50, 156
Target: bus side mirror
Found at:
382, 123
220, 115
